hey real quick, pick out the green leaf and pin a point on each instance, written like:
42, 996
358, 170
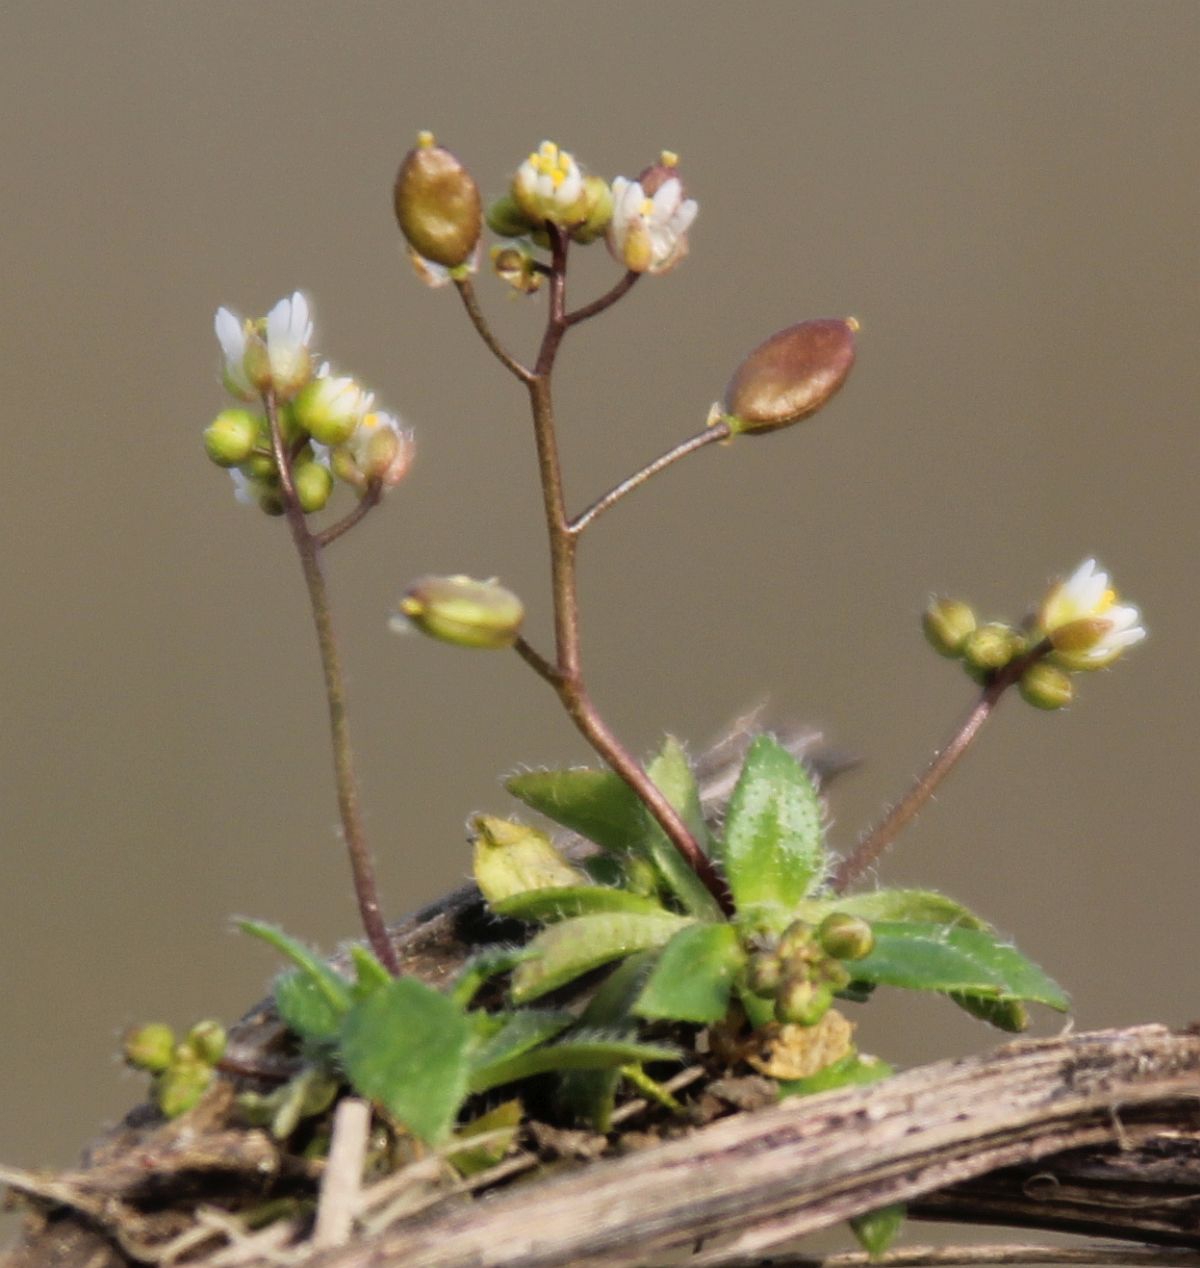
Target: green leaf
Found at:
877, 1229
853, 1070
313, 1001
511, 858
773, 850
694, 975
498, 1127
672, 773
974, 962
673, 777
573, 947
590, 1095
405, 1047
1004, 1014
595, 803
923, 906
370, 975
544, 906
521, 1031
584, 1050
482, 967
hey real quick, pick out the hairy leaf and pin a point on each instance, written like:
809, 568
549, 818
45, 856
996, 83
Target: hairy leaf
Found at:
953, 959
694, 975
519, 1032
773, 850
584, 1050
595, 803
405, 1047
312, 1001
572, 947
512, 858
924, 906
544, 906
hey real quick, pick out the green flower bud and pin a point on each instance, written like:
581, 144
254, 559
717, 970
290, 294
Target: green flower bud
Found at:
314, 484
182, 1084
270, 501
764, 973
992, 646
797, 937
437, 204
230, 438
261, 469
462, 611
506, 219
514, 264
947, 624
1079, 636
790, 376
149, 1047
329, 408
802, 1001
206, 1041
1045, 686
599, 210
846, 937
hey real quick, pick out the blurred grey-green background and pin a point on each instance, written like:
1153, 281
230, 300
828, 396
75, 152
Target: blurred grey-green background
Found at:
1004, 195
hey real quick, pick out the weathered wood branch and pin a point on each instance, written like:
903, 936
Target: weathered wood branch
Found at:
759, 1180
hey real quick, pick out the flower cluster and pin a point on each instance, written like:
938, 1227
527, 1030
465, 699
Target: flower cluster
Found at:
1079, 626
327, 423
644, 221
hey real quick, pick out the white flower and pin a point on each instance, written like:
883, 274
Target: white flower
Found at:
329, 407
1084, 621
549, 186
273, 353
231, 335
243, 487
380, 449
649, 234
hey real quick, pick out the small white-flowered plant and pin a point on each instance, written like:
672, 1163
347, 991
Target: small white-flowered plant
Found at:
273, 353
648, 234
1084, 621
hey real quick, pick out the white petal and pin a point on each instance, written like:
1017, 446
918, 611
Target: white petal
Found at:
230, 335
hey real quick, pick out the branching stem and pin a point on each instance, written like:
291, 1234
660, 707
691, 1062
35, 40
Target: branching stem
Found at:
308, 547
872, 846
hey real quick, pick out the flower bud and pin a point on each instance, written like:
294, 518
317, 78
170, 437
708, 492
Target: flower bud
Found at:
992, 646
1081, 635
947, 624
763, 974
1045, 686
387, 456
462, 611
313, 482
329, 408
549, 188
506, 219
801, 1001
598, 210
514, 264
795, 938
149, 1047
206, 1040
437, 204
846, 937
790, 376
230, 438
182, 1084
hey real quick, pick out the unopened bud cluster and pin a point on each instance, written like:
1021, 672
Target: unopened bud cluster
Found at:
643, 221
804, 968
1079, 625
183, 1071
328, 423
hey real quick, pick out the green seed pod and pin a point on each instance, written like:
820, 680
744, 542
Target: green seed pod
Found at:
437, 204
206, 1041
802, 1001
314, 484
947, 624
846, 937
1045, 686
466, 612
763, 974
790, 376
992, 646
149, 1047
230, 438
